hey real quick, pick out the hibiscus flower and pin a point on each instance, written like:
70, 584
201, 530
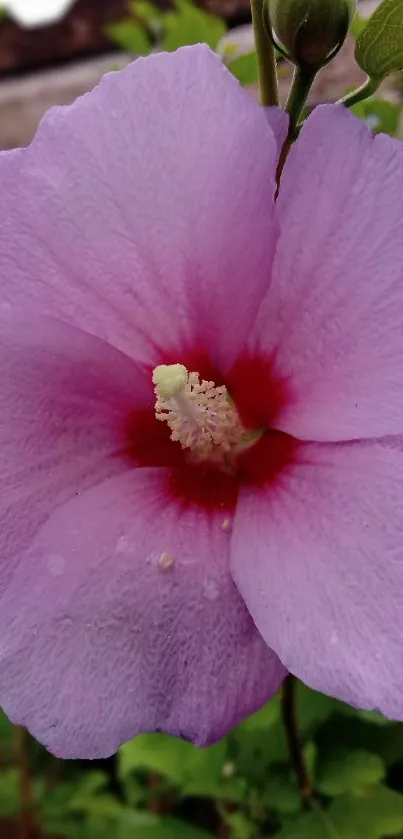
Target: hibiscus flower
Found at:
201, 411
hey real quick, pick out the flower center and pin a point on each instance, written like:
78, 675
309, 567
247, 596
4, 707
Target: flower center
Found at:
201, 415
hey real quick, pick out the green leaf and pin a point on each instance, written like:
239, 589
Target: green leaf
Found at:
347, 771
379, 47
244, 68
130, 36
146, 11
314, 825
355, 733
382, 117
156, 753
241, 827
262, 720
376, 106
206, 774
314, 708
6, 736
198, 772
259, 742
281, 793
190, 25
359, 23
375, 813
162, 829
10, 802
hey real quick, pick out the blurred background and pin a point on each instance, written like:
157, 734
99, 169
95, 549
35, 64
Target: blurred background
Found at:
305, 766
51, 51
244, 787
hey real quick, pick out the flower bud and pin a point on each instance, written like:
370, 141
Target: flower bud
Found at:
310, 31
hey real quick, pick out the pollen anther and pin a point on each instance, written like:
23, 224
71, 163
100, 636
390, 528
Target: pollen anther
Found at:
200, 414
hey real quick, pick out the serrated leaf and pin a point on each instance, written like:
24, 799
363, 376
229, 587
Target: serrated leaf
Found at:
188, 24
375, 813
346, 771
244, 68
379, 47
130, 36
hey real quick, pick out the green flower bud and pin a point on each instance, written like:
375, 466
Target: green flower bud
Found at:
310, 32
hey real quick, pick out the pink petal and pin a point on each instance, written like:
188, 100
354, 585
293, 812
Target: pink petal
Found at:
333, 314
319, 562
64, 401
144, 212
123, 618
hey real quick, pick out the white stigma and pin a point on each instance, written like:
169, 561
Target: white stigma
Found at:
200, 414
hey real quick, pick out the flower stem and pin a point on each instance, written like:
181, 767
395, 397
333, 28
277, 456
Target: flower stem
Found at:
294, 741
266, 59
367, 89
300, 87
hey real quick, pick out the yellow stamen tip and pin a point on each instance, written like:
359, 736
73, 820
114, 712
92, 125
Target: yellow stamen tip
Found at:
169, 380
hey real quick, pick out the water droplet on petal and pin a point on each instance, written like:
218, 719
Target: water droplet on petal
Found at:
210, 589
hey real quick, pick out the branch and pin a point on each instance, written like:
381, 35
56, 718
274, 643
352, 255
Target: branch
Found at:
290, 722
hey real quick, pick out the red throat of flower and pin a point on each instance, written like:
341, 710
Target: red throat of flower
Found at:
214, 435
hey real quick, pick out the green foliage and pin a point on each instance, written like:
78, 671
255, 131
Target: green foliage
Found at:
357, 25
130, 36
156, 753
190, 25
381, 116
379, 47
243, 787
374, 813
164, 829
9, 793
343, 771
244, 68
148, 27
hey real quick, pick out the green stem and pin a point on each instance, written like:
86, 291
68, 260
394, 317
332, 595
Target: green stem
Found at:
300, 87
266, 59
367, 89
290, 722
